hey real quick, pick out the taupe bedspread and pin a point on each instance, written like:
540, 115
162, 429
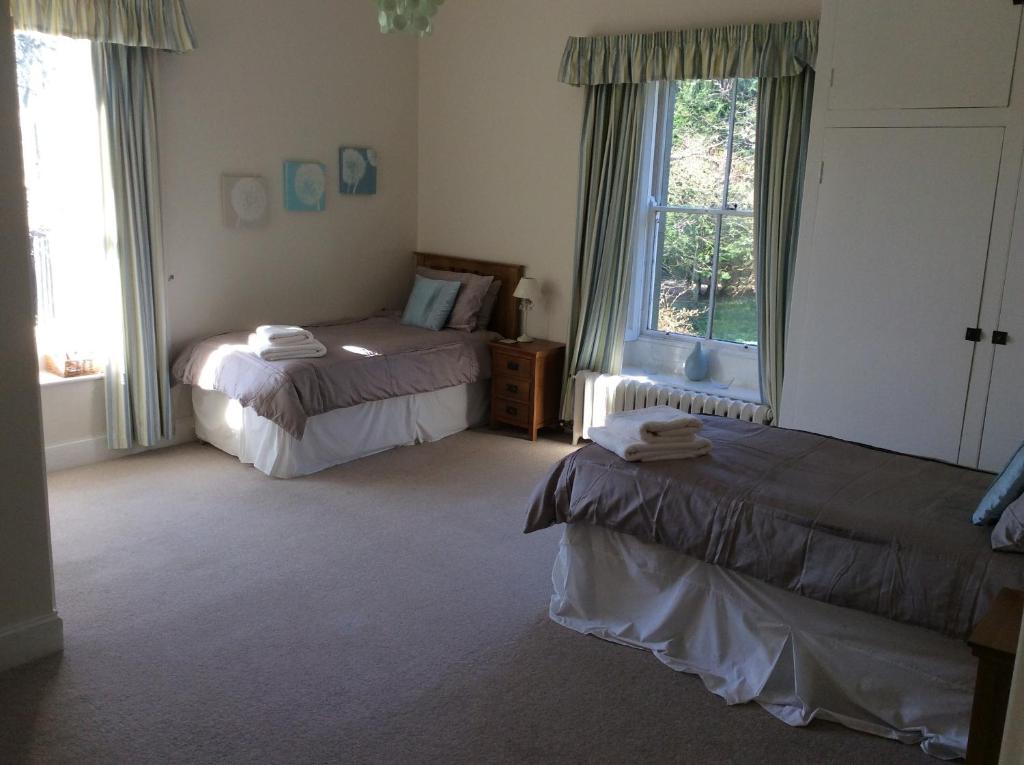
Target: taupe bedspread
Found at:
367, 360
842, 523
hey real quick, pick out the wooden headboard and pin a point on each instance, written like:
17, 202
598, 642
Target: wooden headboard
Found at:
505, 320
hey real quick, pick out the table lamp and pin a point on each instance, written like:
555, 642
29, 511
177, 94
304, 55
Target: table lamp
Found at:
528, 292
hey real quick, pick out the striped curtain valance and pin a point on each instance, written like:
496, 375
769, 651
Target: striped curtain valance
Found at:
758, 50
159, 24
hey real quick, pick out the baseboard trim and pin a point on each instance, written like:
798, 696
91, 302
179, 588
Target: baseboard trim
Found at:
34, 639
91, 450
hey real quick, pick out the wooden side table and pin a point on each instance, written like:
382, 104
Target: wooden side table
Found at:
526, 384
994, 642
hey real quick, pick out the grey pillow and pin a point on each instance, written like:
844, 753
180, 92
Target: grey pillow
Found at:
471, 296
1008, 535
483, 321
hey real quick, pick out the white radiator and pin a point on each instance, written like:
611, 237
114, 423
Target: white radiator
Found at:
598, 395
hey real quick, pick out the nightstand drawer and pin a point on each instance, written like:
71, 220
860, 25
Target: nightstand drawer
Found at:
515, 366
511, 412
515, 388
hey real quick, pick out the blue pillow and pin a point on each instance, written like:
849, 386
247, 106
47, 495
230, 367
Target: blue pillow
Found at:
430, 303
1008, 486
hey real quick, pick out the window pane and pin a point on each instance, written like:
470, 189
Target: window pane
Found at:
736, 297
700, 132
741, 175
64, 183
684, 273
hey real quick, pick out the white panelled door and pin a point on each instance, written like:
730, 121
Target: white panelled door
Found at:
923, 54
1004, 416
894, 278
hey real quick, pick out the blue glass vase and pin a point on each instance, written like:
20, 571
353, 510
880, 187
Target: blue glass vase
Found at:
696, 367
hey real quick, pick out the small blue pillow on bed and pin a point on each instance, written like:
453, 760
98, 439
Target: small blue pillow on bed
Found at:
430, 303
1008, 486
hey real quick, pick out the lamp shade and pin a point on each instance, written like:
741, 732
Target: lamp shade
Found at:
528, 289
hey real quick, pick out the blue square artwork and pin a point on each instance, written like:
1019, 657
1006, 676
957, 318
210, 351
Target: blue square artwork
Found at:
305, 186
357, 170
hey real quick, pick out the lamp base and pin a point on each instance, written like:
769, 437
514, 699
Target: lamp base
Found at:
524, 339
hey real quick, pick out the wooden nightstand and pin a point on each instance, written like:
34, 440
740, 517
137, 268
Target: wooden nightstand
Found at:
526, 384
994, 642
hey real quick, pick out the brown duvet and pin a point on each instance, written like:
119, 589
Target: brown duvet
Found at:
831, 520
367, 360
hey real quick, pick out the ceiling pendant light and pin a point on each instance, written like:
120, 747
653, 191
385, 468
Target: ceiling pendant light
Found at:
413, 16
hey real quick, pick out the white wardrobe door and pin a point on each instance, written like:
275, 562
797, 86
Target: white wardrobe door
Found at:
893, 280
1004, 417
919, 54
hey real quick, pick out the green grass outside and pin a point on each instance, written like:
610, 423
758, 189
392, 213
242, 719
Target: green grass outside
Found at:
735, 319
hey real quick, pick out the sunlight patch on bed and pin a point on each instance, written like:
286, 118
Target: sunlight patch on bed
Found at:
208, 374
359, 350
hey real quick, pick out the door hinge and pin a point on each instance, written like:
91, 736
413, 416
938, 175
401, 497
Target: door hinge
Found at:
973, 334
998, 336
821, 172
832, 74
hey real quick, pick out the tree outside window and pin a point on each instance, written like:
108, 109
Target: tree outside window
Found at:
704, 272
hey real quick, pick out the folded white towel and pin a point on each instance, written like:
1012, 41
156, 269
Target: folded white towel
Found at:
654, 425
284, 342
311, 349
641, 451
282, 333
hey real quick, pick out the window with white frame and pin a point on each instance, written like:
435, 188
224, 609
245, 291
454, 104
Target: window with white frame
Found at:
64, 179
699, 266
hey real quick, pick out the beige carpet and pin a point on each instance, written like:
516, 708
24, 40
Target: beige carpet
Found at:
386, 611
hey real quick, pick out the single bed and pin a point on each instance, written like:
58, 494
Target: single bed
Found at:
382, 384
817, 577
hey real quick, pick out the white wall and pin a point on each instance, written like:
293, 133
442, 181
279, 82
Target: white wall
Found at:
499, 135
29, 626
75, 422
272, 81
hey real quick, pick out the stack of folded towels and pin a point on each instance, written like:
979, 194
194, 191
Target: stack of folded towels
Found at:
651, 435
277, 342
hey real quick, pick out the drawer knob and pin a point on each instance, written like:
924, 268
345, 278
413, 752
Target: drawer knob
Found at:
511, 387
511, 410
513, 365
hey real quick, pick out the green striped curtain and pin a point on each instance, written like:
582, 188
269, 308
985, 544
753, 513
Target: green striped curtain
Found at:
160, 24
783, 125
757, 50
138, 377
610, 153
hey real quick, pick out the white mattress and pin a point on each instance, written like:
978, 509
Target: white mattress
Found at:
798, 658
338, 436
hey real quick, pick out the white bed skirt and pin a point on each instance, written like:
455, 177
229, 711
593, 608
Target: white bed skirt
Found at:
798, 658
338, 436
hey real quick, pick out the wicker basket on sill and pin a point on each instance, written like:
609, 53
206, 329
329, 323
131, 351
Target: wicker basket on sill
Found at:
69, 366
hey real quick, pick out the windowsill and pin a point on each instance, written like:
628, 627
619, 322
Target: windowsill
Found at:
704, 386
661, 357
49, 378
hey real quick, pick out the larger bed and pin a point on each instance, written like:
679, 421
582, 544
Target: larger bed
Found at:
381, 384
817, 577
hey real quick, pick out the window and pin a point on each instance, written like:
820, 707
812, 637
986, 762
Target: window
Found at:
60, 131
700, 271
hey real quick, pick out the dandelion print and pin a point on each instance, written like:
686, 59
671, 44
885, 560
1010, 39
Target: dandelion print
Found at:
357, 170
